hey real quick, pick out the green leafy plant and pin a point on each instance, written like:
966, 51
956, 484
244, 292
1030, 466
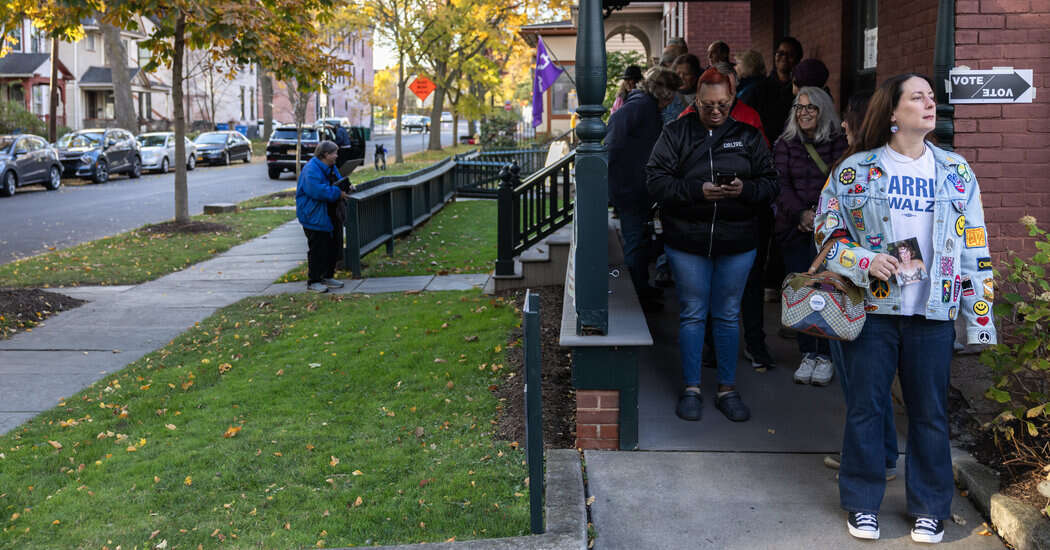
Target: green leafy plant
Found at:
1021, 362
15, 119
616, 62
498, 129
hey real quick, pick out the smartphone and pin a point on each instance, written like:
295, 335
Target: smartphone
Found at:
723, 179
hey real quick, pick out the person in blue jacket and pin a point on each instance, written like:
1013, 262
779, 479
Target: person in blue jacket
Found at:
314, 191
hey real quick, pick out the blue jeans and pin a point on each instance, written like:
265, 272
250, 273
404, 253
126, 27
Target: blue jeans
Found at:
890, 432
920, 351
636, 247
797, 258
709, 285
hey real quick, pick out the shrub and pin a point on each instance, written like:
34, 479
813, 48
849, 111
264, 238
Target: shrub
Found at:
1021, 361
15, 119
499, 129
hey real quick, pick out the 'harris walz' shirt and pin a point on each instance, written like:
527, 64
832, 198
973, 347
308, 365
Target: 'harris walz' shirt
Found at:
909, 191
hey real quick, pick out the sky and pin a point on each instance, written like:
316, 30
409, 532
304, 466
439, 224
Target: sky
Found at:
383, 55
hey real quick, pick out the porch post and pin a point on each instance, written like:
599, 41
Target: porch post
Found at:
943, 60
591, 227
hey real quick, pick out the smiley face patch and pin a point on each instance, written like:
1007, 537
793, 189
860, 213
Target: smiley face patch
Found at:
960, 225
980, 307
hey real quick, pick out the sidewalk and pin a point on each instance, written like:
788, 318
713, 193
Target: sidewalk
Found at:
756, 484
123, 323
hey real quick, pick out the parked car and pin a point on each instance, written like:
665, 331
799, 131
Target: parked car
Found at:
98, 153
335, 121
446, 116
280, 150
223, 147
419, 122
25, 160
158, 151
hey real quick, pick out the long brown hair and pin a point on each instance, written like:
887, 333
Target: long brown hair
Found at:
874, 132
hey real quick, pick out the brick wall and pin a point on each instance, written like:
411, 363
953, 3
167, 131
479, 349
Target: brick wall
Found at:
906, 44
762, 28
706, 22
598, 419
817, 24
1008, 145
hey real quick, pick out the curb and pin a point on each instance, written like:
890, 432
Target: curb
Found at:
1020, 524
565, 513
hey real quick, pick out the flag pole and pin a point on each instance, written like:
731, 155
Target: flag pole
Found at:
558, 63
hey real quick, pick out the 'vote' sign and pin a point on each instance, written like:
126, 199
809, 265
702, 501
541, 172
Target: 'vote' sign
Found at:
999, 85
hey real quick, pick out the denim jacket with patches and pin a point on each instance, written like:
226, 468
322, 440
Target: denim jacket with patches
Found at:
854, 212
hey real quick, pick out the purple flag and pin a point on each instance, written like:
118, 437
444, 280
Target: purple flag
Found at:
546, 73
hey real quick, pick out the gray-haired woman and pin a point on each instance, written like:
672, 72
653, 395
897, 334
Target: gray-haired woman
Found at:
812, 141
633, 130
313, 193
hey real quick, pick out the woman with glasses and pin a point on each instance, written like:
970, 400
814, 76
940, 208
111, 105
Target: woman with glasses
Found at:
894, 186
810, 144
711, 175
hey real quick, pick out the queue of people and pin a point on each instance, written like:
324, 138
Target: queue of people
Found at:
888, 210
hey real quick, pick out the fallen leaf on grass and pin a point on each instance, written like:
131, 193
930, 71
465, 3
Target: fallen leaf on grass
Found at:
231, 432
55, 444
280, 372
358, 501
473, 338
170, 426
188, 481
439, 360
287, 526
357, 473
154, 534
333, 462
419, 431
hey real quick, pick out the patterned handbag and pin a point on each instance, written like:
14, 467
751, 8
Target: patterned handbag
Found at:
822, 304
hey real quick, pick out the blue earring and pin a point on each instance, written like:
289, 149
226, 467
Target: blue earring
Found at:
894, 129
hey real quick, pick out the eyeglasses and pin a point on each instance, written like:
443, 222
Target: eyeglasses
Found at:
782, 53
810, 108
720, 107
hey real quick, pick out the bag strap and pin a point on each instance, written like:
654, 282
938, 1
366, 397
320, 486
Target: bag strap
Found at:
820, 256
821, 165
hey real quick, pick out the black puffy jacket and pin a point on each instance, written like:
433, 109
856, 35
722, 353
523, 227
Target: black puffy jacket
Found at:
680, 164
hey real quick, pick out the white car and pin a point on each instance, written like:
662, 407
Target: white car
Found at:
158, 151
418, 122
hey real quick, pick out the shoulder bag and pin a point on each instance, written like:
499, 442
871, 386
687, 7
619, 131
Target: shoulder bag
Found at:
822, 304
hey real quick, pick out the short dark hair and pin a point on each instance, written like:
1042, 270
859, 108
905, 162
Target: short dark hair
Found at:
688, 59
794, 43
721, 47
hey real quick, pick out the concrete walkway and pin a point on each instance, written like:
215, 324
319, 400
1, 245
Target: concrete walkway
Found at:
757, 484
122, 323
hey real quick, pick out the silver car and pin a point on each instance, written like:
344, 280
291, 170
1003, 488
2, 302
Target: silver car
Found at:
158, 151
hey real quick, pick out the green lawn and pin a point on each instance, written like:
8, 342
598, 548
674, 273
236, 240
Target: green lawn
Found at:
461, 238
138, 255
282, 422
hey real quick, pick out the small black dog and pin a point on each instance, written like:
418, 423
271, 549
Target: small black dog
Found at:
380, 156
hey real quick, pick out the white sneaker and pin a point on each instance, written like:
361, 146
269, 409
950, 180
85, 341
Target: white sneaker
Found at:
823, 371
332, 283
317, 287
805, 369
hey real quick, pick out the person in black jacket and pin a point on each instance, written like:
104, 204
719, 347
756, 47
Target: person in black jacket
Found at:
711, 175
633, 130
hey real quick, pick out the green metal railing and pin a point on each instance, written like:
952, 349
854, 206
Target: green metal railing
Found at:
477, 173
534, 409
382, 209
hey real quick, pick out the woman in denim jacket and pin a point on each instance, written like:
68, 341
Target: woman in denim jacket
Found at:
895, 187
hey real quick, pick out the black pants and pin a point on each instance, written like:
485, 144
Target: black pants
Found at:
321, 256
752, 314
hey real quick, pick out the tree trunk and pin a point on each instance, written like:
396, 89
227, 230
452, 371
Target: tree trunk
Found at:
117, 59
52, 108
300, 99
435, 119
182, 203
211, 98
266, 89
399, 156
455, 128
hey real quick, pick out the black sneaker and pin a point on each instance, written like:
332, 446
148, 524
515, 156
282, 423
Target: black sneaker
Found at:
759, 357
863, 525
927, 530
733, 407
663, 279
689, 405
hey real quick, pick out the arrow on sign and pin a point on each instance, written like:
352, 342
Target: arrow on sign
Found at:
993, 86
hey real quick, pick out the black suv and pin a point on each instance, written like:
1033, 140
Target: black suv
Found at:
280, 150
99, 152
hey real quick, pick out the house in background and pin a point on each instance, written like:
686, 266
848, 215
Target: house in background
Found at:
86, 82
219, 92
645, 27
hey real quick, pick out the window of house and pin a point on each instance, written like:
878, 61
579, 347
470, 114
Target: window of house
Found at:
37, 41
144, 55
251, 107
14, 38
560, 92
242, 102
89, 41
41, 94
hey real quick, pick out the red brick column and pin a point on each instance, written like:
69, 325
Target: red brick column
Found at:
598, 419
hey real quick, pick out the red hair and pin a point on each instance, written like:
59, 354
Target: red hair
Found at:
712, 76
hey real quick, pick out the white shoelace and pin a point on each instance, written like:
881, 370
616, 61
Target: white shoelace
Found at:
926, 524
866, 520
